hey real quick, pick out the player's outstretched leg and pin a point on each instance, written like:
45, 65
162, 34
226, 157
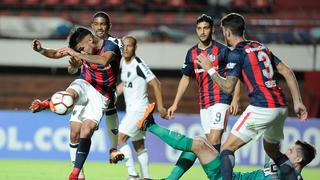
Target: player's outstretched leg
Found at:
185, 161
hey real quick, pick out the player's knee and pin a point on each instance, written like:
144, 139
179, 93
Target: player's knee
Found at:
199, 144
74, 136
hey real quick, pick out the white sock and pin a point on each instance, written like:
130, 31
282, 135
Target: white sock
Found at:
72, 151
143, 159
112, 124
126, 150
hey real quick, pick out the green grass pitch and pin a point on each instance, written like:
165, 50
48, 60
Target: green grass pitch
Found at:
59, 170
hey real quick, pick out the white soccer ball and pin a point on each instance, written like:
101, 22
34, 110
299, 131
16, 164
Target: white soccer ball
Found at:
61, 103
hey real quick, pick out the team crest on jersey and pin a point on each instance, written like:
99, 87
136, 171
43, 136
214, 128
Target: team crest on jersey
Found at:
212, 58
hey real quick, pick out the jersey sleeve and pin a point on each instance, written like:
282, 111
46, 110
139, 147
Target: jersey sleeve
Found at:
235, 63
187, 68
145, 72
110, 46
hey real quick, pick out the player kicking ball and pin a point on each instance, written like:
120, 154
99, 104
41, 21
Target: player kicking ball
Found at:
99, 53
300, 154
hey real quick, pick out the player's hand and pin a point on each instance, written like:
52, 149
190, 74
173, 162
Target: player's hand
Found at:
234, 107
75, 62
163, 112
35, 106
36, 45
171, 111
301, 111
204, 62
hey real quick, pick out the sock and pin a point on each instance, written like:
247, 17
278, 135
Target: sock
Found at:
112, 124
185, 161
126, 150
217, 147
82, 152
227, 164
143, 159
73, 152
212, 169
172, 138
286, 167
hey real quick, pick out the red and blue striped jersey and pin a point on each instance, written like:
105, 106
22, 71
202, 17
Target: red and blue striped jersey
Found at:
209, 92
103, 78
255, 64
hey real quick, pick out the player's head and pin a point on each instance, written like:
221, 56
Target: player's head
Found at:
101, 24
233, 24
204, 28
81, 40
301, 153
129, 47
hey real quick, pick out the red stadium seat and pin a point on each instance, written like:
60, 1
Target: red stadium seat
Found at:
46, 13
72, 2
92, 2
176, 3
6, 13
31, 2
10, 2
51, 2
114, 2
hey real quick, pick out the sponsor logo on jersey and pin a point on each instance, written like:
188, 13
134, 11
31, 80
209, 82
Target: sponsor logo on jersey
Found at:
231, 65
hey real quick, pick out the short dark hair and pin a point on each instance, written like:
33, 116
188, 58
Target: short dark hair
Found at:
205, 18
132, 38
235, 22
103, 15
308, 152
77, 36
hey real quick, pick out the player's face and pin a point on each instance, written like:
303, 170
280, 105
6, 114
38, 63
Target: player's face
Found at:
204, 31
129, 48
86, 46
226, 34
293, 154
100, 27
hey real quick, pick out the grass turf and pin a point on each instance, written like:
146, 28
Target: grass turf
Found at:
56, 170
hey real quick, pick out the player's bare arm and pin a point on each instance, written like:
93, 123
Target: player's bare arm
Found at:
226, 84
50, 53
291, 80
103, 59
156, 85
234, 106
183, 85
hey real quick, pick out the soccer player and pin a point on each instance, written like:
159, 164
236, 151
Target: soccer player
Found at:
255, 64
135, 77
214, 103
101, 25
93, 89
299, 155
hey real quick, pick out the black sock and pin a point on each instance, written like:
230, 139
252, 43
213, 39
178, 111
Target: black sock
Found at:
286, 167
227, 164
217, 147
82, 152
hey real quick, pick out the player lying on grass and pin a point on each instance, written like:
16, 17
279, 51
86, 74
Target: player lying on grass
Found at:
300, 154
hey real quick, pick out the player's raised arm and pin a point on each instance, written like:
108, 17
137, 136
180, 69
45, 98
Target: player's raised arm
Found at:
226, 84
50, 53
291, 80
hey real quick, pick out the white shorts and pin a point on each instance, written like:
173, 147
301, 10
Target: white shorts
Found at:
214, 117
256, 121
128, 125
90, 104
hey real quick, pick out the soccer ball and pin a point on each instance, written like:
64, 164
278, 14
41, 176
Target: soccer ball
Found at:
61, 103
